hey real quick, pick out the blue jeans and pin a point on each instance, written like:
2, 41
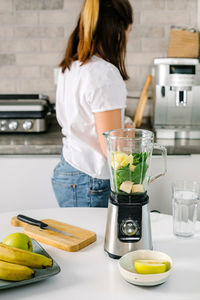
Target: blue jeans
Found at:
74, 188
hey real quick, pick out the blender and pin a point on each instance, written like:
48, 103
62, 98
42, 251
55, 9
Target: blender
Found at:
129, 154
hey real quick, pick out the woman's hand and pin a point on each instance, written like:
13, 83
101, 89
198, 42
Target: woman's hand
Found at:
128, 123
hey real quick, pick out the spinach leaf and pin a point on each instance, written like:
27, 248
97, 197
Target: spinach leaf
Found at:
139, 173
137, 176
139, 157
123, 174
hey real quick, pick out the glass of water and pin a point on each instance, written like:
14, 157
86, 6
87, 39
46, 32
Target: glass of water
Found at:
185, 199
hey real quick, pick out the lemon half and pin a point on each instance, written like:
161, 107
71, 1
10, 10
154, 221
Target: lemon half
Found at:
150, 266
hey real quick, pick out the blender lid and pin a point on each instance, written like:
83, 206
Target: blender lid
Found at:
129, 133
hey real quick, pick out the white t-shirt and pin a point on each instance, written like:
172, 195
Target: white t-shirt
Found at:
81, 91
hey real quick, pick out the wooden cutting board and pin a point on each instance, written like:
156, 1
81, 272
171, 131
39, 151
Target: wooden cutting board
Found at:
80, 237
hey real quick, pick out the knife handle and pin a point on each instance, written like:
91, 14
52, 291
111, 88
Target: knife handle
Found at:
32, 221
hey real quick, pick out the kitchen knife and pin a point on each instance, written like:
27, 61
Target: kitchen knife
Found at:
40, 224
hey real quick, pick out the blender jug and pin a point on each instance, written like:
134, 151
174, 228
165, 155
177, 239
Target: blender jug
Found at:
129, 154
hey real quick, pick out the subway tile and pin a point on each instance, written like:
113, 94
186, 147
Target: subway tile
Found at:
134, 45
39, 4
6, 32
7, 46
142, 58
7, 86
53, 45
8, 72
14, 72
152, 45
35, 32
52, 95
148, 4
6, 18
136, 4
161, 17
5, 6
39, 85
148, 31
68, 30
57, 17
47, 72
51, 31
7, 59
26, 32
28, 71
38, 59
27, 45
50, 4
73, 5
153, 4
26, 18
181, 4
20, 45
26, 4
39, 32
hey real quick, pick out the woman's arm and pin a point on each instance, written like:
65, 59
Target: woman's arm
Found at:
107, 120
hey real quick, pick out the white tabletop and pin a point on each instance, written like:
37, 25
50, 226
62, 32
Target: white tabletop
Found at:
91, 274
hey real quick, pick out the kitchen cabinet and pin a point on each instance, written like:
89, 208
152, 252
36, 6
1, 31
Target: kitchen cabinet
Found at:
25, 181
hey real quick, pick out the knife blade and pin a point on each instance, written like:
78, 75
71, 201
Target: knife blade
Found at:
40, 224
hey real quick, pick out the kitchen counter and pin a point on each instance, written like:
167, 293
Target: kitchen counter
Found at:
90, 274
50, 142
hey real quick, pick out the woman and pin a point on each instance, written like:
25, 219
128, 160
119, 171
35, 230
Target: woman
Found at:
91, 97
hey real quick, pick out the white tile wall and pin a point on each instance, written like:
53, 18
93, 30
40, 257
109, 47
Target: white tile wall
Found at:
33, 36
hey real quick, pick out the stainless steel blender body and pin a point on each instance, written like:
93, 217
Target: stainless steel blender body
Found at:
117, 248
128, 220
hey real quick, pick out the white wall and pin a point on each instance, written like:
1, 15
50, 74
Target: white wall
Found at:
179, 167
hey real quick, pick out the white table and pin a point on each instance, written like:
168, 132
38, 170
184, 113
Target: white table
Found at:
91, 274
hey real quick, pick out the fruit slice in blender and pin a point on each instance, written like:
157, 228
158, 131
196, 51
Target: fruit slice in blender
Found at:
126, 186
137, 188
120, 159
132, 168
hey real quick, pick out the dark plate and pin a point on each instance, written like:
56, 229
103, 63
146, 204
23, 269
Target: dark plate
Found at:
40, 274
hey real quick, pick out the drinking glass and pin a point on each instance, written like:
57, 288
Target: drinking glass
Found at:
185, 199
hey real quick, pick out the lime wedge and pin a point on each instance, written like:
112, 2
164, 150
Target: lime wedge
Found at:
150, 266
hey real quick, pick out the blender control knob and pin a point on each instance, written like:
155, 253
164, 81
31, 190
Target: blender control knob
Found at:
129, 227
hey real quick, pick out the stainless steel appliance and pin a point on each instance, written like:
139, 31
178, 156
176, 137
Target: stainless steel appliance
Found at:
24, 113
128, 221
176, 95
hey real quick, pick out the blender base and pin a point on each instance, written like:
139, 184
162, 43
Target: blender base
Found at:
112, 255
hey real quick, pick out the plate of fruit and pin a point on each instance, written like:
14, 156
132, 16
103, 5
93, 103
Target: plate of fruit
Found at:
24, 261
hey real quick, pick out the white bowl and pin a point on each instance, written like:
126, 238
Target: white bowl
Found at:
127, 270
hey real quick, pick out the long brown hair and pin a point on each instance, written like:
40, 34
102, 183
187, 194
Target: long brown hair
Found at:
101, 29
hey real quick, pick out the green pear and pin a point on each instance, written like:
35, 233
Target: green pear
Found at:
19, 240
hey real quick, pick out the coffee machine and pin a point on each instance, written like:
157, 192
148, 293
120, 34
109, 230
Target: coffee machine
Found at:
176, 106
129, 154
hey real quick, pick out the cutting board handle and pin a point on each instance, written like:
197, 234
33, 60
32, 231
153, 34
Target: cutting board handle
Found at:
16, 222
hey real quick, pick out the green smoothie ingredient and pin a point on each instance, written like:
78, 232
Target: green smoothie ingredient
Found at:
129, 171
